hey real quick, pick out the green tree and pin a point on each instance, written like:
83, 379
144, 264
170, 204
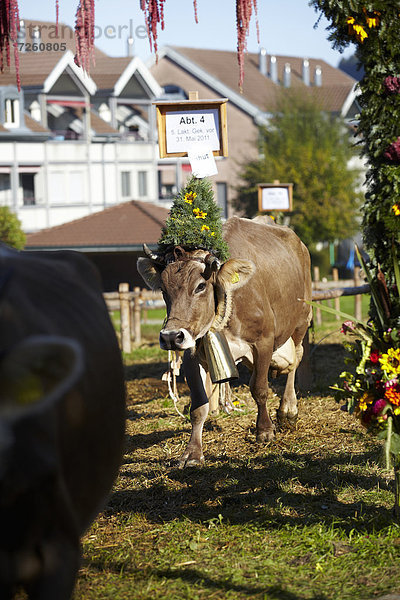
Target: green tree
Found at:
311, 149
10, 229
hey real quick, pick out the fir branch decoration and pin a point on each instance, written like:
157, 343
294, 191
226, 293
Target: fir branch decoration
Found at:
195, 221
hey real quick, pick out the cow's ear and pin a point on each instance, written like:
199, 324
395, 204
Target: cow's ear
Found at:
235, 273
38, 371
150, 271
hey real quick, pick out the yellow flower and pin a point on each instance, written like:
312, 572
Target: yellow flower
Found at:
365, 399
372, 19
356, 29
360, 32
396, 209
397, 410
390, 362
212, 232
199, 213
189, 197
205, 228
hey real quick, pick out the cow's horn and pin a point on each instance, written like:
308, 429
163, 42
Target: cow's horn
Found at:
212, 265
156, 257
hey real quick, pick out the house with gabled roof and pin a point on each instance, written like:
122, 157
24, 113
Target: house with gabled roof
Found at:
112, 239
214, 74
72, 144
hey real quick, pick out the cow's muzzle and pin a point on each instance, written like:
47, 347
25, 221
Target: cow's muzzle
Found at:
176, 339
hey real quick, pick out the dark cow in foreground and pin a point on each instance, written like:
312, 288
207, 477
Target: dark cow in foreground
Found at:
62, 412
254, 297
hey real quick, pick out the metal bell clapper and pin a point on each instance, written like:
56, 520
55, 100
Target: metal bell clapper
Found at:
219, 358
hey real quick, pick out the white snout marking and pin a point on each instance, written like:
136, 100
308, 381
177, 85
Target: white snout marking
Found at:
188, 340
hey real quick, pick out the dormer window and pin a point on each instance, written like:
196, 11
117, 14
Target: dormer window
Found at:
105, 112
11, 111
35, 111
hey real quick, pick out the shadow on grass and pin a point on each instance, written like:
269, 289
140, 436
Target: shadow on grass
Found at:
243, 493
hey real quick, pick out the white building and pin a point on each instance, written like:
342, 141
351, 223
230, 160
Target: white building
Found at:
73, 144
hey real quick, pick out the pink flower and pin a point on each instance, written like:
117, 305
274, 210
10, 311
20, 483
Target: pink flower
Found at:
379, 406
347, 326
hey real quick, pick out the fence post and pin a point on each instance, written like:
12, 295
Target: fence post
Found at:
358, 297
136, 315
318, 317
123, 290
335, 277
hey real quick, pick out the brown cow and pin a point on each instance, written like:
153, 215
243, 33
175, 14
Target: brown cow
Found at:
254, 297
62, 407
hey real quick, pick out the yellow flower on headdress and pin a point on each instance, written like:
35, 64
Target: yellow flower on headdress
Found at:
355, 28
199, 214
396, 209
205, 228
373, 19
189, 197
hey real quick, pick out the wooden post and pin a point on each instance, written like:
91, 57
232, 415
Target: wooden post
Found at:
136, 315
358, 297
318, 316
193, 96
125, 317
335, 276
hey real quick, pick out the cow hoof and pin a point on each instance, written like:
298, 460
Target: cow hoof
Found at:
286, 421
264, 437
190, 461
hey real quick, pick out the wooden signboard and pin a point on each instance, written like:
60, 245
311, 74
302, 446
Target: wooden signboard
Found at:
187, 124
275, 196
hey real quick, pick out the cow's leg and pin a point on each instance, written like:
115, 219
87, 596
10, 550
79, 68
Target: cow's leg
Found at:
287, 412
193, 455
265, 431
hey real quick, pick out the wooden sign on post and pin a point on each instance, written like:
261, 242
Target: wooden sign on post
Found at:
187, 124
275, 196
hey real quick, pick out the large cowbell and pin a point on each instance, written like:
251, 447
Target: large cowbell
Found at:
219, 358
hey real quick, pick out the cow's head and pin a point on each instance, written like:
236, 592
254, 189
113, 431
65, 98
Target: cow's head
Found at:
192, 284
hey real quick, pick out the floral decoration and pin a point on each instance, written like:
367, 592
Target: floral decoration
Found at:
195, 221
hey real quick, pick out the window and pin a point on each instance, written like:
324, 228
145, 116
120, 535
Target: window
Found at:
11, 107
142, 183
222, 200
35, 111
27, 182
125, 184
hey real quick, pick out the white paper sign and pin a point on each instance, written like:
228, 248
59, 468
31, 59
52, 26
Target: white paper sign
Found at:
275, 198
202, 162
189, 128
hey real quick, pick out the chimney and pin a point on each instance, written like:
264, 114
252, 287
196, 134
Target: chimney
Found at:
318, 76
287, 72
273, 69
129, 46
262, 61
21, 36
306, 71
36, 39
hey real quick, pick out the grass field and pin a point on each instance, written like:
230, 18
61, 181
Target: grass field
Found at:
308, 516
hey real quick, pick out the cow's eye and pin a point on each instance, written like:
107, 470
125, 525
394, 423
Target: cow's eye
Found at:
200, 288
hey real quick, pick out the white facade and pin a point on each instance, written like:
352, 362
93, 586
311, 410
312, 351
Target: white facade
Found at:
50, 183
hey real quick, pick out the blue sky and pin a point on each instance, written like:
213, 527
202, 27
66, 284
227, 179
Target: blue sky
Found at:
286, 26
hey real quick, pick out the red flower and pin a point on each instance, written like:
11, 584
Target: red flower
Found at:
374, 356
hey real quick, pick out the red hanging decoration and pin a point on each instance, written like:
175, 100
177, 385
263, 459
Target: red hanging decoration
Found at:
154, 14
195, 11
57, 15
84, 34
244, 9
9, 27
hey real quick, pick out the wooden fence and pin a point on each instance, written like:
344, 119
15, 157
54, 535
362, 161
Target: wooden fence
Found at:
133, 306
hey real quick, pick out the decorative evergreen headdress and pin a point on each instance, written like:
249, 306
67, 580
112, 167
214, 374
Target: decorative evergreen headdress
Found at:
195, 221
